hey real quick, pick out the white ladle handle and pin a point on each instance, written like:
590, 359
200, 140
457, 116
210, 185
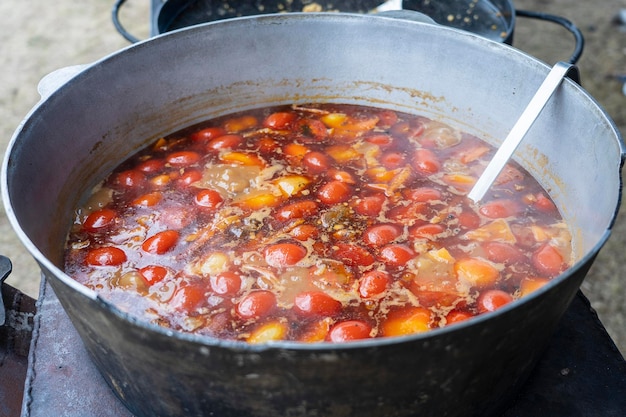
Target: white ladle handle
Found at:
517, 133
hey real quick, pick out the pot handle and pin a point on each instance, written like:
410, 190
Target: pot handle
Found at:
115, 15
572, 28
5, 269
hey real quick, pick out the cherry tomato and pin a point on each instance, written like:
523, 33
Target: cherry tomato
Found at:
373, 283
387, 118
380, 139
316, 303
382, 234
548, 260
305, 232
105, 256
392, 160
225, 283
267, 145
153, 273
501, 252
310, 129
426, 231
151, 166
209, 199
100, 220
189, 177
316, 162
469, 220
224, 142
189, 297
370, 205
544, 204
256, 304
298, 210
346, 331
334, 192
130, 179
498, 209
353, 255
425, 162
207, 134
457, 316
161, 242
491, 300
279, 120
284, 254
183, 158
423, 194
396, 254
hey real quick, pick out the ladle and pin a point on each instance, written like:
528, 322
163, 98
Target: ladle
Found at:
519, 130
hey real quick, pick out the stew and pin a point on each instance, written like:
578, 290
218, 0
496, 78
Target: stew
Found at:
313, 223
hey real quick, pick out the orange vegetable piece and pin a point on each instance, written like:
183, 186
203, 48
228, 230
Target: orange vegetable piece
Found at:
406, 321
476, 271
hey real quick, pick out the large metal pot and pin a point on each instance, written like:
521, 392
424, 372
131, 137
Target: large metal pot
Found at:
117, 105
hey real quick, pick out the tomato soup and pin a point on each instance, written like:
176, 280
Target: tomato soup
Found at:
314, 223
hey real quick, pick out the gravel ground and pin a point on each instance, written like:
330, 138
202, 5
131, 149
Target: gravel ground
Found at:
39, 36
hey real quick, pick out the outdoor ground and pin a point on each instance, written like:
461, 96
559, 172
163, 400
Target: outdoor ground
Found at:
39, 36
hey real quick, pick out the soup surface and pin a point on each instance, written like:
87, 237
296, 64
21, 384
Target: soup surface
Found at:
314, 223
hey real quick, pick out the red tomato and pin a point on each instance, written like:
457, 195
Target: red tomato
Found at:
456, 316
279, 120
381, 139
382, 234
310, 128
207, 134
100, 220
153, 273
370, 205
392, 160
407, 212
544, 204
396, 254
387, 118
189, 297
353, 255
346, 331
298, 210
334, 192
105, 256
209, 199
373, 283
151, 166
425, 162
189, 177
267, 145
304, 232
498, 209
423, 194
284, 254
426, 231
183, 158
225, 283
492, 300
501, 252
548, 260
316, 303
316, 162
469, 220
256, 304
161, 242
130, 179
224, 142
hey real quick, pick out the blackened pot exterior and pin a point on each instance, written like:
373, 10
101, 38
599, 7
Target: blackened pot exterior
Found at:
120, 104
